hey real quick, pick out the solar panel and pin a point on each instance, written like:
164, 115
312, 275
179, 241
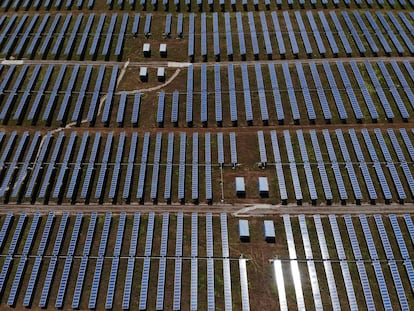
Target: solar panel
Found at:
246, 92
144, 284
31, 235
48, 282
280, 283
135, 109
135, 25
232, 94
204, 89
397, 98
161, 284
366, 33
401, 32
177, 284
194, 284
85, 35
311, 265
5, 272
181, 172
110, 93
365, 285
329, 34
47, 41
149, 237
13, 94
96, 38
156, 167
95, 283
253, 35
73, 35
292, 166
240, 32
216, 36
22, 43
233, 149
128, 283
23, 171
261, 93
5, 228
194, 170
303, 33
104, 165
59, 41
12, 37
63, 282
353, 238
52, 99
40, 31
279, 168
91, 166
350, 168
130, 167
112, 284
229, 40
147, 25
121, 36
79, 282
305, 92
64, 167
291, 34
378, 33
365, 93
32, 281
143, 167
291, 93
350, 92
80, 100
17, 281
190, 36
189, 102
353, 31
68, 94
322, 171
327, 264
377, 166
217, 94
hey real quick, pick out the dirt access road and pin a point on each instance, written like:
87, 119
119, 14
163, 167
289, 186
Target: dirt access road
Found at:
242, 210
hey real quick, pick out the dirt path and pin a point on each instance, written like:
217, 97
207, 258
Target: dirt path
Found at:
242, 210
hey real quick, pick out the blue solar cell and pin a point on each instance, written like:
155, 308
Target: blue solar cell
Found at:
52, 99
378, 33
253, 35
93, 49
279, 35
112, 284
32, 282
232, 93
168, 173
121, 36
48, 282
246, 92
91, 166
13, 36
109, 35
156, 167
79, 282
130, 167
365, 93
135, 108
291, 33
82, 45
143, 167
291, 92
95, 283
191, 36
363, 165
303, 33
147, 25
47, 40
349, 90
305, 91
189, 102
135, 25
73, 35
181, 170
240, 32
217, 93
40, 31
59, 41
229, 40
